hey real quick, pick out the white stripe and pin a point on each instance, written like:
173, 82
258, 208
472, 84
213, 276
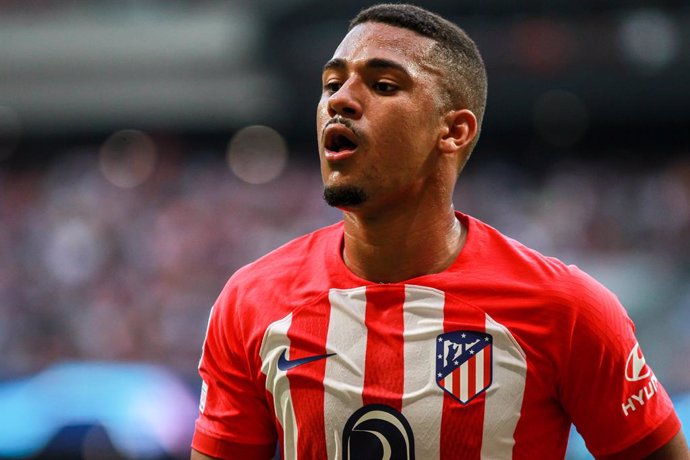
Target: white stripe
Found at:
504, 397
275, 341
344, 377
464, 381
448, 382
479, 375
422, 403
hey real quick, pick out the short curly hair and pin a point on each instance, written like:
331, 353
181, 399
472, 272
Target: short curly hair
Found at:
465, 77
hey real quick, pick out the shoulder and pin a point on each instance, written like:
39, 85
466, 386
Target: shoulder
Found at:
291, 271
566, 287
511, 258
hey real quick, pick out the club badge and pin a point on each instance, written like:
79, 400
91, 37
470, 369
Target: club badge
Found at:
463, 363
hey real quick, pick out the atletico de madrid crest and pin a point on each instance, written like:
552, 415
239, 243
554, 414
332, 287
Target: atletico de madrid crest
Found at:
463, 363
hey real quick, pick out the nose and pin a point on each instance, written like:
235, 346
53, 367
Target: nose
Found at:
345, 101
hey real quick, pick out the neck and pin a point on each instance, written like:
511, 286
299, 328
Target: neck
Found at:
399, 247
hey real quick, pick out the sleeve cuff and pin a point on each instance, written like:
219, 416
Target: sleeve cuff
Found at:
650, 443
222, 449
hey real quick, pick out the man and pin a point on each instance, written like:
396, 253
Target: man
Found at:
410, 330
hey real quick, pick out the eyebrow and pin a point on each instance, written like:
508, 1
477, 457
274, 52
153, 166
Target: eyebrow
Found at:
375, 63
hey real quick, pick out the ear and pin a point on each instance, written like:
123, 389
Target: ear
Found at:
459, 130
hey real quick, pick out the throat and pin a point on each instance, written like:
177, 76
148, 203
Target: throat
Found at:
399, 256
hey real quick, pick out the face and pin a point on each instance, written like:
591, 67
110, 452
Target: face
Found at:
379, 117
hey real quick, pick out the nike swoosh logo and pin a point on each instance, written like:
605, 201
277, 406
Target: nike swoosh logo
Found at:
284, 364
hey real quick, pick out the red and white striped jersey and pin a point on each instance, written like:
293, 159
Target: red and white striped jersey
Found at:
493, 358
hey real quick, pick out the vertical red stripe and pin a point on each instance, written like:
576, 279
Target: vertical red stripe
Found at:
471, 377
462, 424
308, 333
456, 382
487, 365
384, 364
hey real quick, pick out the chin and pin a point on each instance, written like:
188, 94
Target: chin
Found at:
344, 196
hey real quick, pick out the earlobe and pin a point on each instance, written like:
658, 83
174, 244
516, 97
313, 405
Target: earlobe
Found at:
460, 128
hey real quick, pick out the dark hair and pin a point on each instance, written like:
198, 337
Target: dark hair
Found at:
455, 51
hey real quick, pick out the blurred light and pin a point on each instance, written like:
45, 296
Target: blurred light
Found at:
127, 158
543, 45
560, 117
648, 38
682, 404
257, 154
577, 449
75, 252
109, 395
103, 40
10, 131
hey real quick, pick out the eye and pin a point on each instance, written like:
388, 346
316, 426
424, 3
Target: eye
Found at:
385, 87
331, 87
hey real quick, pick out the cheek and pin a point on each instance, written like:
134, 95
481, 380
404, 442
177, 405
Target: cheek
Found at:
397, 127
405, 133
321, 116
324, 170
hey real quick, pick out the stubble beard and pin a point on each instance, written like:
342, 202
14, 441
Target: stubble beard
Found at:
344, 196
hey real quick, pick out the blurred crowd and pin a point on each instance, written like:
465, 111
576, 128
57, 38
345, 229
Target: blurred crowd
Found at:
94, 271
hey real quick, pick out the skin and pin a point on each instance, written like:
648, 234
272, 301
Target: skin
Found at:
409, 150
408, 153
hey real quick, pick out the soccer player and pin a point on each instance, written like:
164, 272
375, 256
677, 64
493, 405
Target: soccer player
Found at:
410, 330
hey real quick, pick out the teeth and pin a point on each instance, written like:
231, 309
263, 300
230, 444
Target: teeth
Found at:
339, 142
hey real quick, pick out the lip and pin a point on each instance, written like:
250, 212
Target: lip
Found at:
332, 156
337, 129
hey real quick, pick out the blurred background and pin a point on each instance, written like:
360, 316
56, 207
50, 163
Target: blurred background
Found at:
150, 148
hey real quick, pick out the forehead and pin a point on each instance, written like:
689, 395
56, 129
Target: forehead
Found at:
371, 40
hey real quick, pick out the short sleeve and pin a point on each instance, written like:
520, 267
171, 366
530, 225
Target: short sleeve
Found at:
609, 390
234, 419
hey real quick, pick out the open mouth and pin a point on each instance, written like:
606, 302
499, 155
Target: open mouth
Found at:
339, 143
340, 140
